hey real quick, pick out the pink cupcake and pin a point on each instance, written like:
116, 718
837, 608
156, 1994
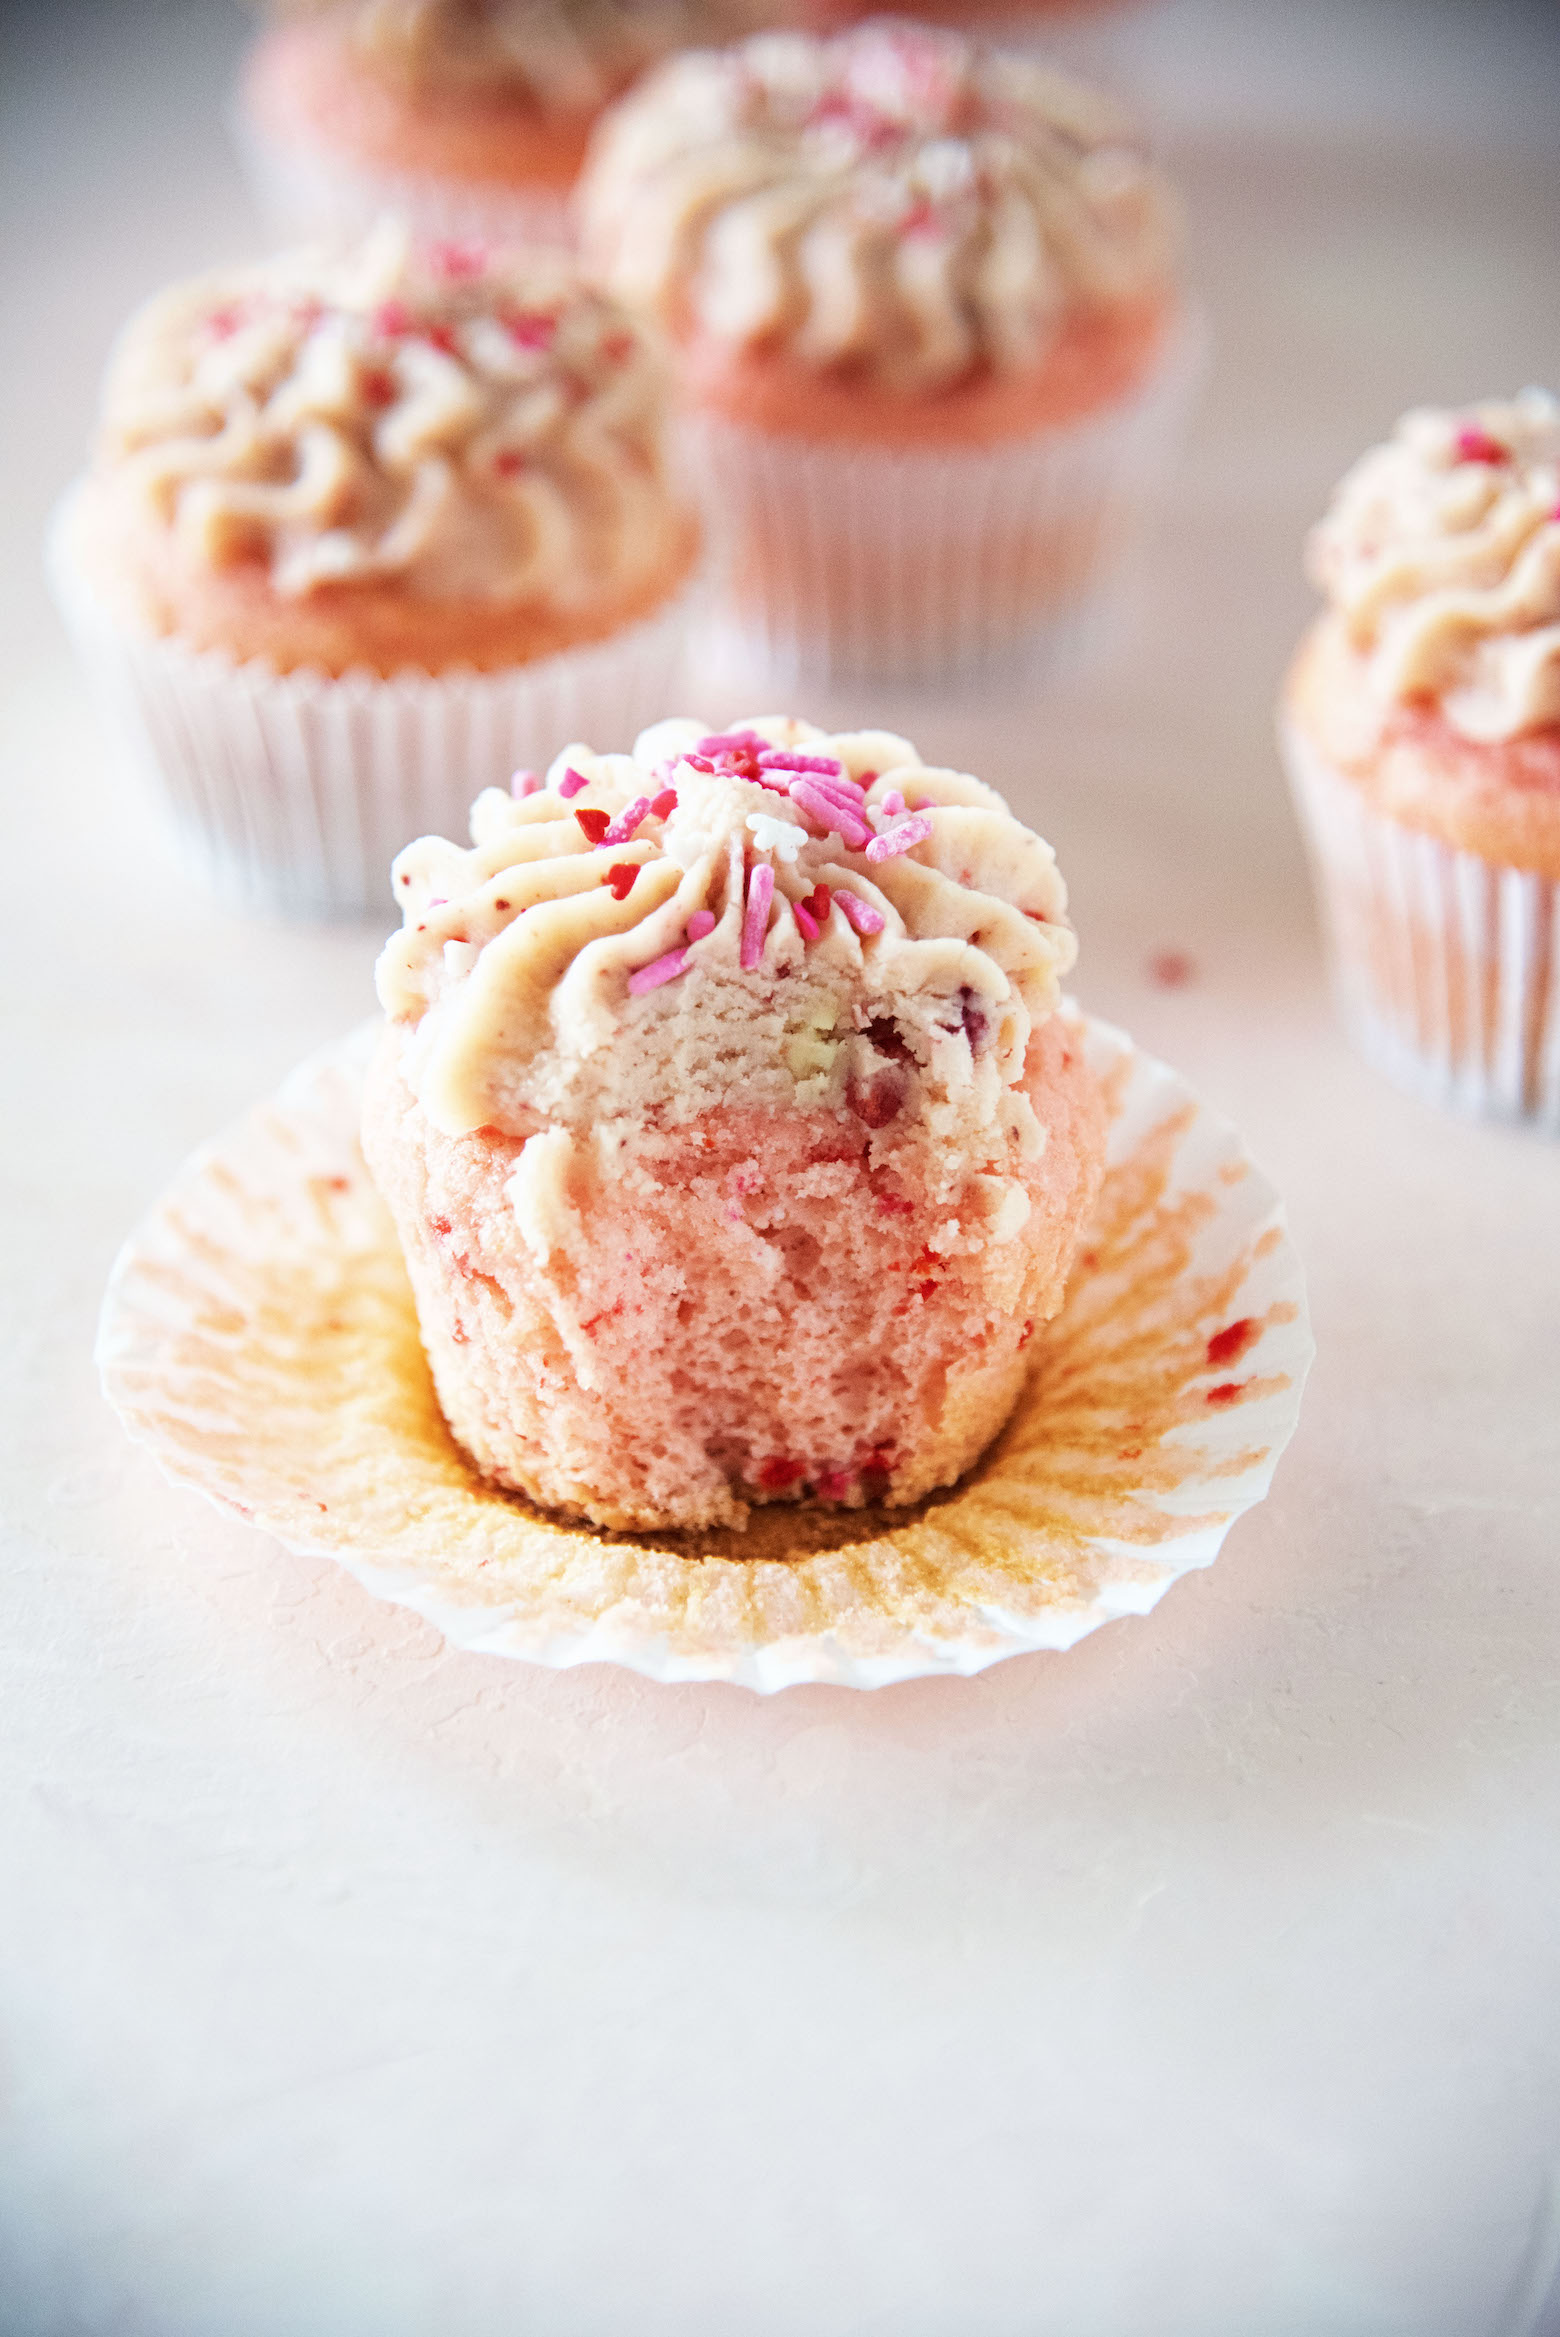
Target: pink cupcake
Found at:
731, 1133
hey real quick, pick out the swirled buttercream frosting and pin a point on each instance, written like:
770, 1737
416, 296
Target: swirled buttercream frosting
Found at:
897, 202
562, 56
468, 426
1440, 557
770, 915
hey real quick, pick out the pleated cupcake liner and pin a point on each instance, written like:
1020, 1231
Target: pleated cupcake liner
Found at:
259, 1337
295, 791
304, 195
1445, 966
852, 562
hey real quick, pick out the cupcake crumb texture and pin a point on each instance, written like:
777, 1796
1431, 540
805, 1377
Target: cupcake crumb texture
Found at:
1440, 557
897, 201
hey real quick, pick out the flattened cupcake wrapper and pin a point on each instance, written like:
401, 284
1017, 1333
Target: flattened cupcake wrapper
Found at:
304, 194
259, 1337
1445, 967
296, 791
840, 562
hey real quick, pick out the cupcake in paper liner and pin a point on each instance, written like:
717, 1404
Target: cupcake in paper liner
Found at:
364, 533
462, 117
1420, 724
925, 304
731, 1135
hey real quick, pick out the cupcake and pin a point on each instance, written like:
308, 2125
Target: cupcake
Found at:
923, 295
464, 117
363, 534
1421, 728
728, 1124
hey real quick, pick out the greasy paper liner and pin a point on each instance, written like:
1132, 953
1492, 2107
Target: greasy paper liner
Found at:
259, 1337
1445, 967
844, 562
305, 194
295, 791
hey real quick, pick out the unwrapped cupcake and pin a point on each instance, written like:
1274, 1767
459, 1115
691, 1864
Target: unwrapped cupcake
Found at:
924, 296
364, 533
1421, 728
728, 1124
462, 117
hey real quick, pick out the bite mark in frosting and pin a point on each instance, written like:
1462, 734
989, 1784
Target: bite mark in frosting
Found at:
469, 425
1440, 557
654, 943
897, 202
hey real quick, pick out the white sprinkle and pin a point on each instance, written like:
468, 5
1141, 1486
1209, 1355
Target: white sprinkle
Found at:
772, 835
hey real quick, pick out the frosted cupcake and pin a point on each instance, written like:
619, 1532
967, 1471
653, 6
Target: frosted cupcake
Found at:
924, 298
1421, 728
363, 534
464, 117
728, 1124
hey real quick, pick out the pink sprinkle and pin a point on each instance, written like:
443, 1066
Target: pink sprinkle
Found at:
729, 742
664, 969
761, 891
785, 759
527, 783
900, 838
663, 805
893, 803
838, 791
1477, 446
830, 815
392, 318
457, 259
835, 1484
531, 331
697, 762
860, 913
701, 922
572, 783
622, 828
805, 919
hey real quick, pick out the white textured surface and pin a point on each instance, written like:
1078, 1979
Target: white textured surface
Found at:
1198, 1983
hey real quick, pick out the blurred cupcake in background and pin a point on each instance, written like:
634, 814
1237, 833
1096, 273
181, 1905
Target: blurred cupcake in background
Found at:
462, 117
925, 302
1421, 728
364, 533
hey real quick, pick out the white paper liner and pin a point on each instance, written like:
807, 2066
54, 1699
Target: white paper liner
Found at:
259, 1337
1445, 967
845, 562
295, 791
304, 194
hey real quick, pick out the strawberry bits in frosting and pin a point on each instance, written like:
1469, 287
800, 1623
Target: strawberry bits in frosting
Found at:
397, 456
732, 1135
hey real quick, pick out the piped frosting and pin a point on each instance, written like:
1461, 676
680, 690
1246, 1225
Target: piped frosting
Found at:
768, 916
470, 425
1441, 557
898, 202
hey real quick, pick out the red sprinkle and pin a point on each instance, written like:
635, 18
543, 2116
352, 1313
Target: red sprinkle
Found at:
775, 1476
1228, 1392
663, 805
1024, 1336
509, 462
620, 878
442, 338
533, 331
617, 348
1477, 446
1228, 1345
594, 823
379, 386
834, 1484
819, 902
1172, 969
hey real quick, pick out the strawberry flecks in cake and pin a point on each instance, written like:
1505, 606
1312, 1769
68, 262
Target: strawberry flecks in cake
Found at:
755, 923
1473, 445
621, 829
620, 878
594, 824
859, 913
1230, 1344
1229, 1391
902, 837
572, 783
